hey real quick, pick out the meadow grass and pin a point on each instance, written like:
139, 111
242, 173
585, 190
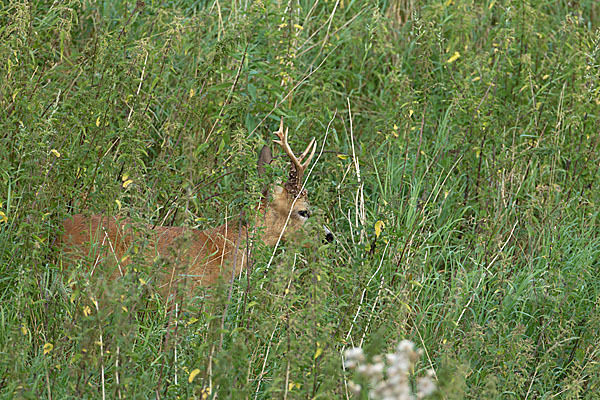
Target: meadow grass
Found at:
458, 169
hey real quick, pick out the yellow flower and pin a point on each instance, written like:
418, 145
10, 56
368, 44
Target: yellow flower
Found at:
454, 57
193, 375
48, 348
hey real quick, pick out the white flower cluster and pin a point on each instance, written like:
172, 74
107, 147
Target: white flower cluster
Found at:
389, 376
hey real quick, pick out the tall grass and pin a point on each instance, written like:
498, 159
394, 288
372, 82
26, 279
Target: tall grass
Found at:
459, 174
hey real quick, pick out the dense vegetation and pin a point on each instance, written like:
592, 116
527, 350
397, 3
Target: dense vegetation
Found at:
457, 166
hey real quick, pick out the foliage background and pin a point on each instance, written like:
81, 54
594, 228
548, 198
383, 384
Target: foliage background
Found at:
459, 174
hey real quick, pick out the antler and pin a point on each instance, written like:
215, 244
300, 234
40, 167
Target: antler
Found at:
297, 170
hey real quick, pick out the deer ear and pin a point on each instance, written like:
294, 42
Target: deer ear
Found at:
265, 157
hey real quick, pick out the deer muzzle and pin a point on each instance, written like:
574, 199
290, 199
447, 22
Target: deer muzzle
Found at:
328, 235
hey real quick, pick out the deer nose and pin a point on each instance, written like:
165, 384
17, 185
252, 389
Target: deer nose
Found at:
328, 235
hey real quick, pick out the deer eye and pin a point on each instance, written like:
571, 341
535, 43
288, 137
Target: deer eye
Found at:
304, 213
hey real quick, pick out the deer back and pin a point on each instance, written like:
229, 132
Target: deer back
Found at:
185, 255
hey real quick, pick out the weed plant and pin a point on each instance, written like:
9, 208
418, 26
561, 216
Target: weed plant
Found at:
457, 167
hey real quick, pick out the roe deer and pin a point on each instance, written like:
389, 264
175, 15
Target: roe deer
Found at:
199, 257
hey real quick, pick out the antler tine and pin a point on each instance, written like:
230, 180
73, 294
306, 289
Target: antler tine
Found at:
283, 142
300, 171
312, 145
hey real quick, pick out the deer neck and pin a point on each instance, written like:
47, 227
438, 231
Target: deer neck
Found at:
268, 225
230, 233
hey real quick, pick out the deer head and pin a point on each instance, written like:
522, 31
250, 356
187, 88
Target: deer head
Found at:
290, 199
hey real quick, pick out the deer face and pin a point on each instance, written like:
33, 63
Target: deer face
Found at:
282, 206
